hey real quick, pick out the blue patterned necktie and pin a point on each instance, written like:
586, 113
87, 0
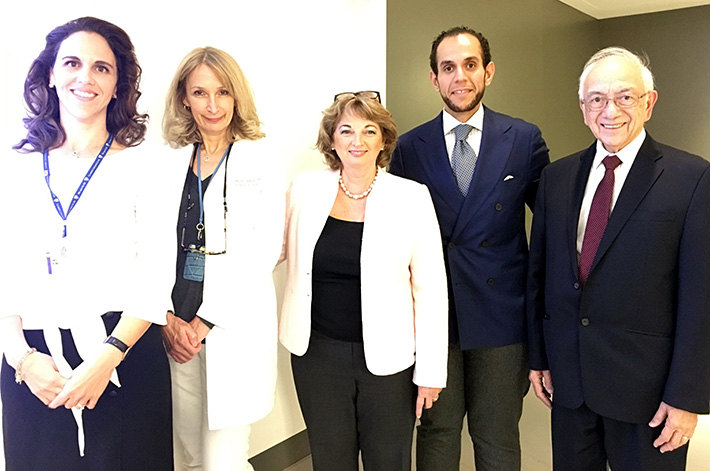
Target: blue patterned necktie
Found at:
463, 158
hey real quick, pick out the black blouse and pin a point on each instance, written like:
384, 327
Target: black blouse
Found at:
187, 294
336, 307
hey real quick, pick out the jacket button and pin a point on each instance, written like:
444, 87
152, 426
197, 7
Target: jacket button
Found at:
585, 321
576, 286
484, 243
499, 206
452, 245
113, 393
546, 317
490, 281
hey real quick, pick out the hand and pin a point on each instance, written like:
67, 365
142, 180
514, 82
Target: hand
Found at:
89, 380
180, 339
42, 377
426, 397
678, 430
200, 328
541, 381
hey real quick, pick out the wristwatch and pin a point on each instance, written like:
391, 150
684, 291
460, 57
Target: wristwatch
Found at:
119, 344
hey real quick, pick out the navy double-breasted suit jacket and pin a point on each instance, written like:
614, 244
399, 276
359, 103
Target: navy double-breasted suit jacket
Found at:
637, 333
483, 234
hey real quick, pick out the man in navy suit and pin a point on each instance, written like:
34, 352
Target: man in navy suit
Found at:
619, 284
481, 168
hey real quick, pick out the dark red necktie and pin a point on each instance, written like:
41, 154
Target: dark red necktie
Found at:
598, 217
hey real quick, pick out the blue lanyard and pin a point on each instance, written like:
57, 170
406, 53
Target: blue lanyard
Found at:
200, 225
82, 186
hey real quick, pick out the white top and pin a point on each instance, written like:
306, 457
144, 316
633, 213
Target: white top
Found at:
627, 155
118, 254
473, 138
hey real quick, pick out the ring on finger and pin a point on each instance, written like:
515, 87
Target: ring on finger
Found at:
79, 407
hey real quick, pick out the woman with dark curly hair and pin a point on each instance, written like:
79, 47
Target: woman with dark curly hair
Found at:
89, 279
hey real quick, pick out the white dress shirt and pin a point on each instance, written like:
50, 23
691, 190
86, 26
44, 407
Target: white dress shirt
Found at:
474, 137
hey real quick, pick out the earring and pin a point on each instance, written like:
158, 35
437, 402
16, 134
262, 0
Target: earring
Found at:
187, 107
114, 96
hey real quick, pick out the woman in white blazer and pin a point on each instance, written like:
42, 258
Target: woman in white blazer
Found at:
365, 306
221, 337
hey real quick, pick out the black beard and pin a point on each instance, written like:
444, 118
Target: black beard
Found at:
459, 109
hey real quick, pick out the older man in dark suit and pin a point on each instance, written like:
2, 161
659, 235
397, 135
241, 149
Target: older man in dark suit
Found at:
619, 281
481, 168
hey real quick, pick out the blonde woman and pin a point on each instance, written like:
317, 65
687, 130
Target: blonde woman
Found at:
221, 335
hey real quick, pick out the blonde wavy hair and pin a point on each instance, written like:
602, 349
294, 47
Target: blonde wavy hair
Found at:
180, 128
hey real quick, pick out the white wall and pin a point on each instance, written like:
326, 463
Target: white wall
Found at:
297, 55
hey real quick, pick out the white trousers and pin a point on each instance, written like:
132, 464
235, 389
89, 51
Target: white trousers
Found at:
196, 447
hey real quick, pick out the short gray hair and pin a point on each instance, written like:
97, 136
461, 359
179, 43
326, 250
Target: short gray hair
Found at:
641, 61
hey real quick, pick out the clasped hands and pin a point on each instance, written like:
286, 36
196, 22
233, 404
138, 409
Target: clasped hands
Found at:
83, 389
183, 339
678, 425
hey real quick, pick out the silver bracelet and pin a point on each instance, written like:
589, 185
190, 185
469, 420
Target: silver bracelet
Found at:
18, 370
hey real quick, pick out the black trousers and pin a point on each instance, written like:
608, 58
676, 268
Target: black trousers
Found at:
585, 441
129, 429
349, 410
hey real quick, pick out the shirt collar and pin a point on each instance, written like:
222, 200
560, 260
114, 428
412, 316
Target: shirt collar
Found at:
476, 121
626, 155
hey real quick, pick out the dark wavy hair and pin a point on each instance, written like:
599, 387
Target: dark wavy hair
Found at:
455, 31
44, 130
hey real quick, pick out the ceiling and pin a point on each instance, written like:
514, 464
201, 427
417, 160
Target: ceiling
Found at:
601, 9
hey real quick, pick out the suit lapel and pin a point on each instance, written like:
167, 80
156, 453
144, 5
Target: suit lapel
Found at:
578, 182
496, 145
431, 148
643, 175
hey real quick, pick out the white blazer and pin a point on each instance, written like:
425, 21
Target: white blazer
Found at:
403, 280
239, 296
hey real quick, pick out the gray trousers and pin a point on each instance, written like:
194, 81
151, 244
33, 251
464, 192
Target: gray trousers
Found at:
488, 385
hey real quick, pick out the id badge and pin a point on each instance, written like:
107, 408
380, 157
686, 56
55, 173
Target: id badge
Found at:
56, 256
194, 266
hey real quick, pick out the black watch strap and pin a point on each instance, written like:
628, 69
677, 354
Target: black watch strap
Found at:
119, 344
